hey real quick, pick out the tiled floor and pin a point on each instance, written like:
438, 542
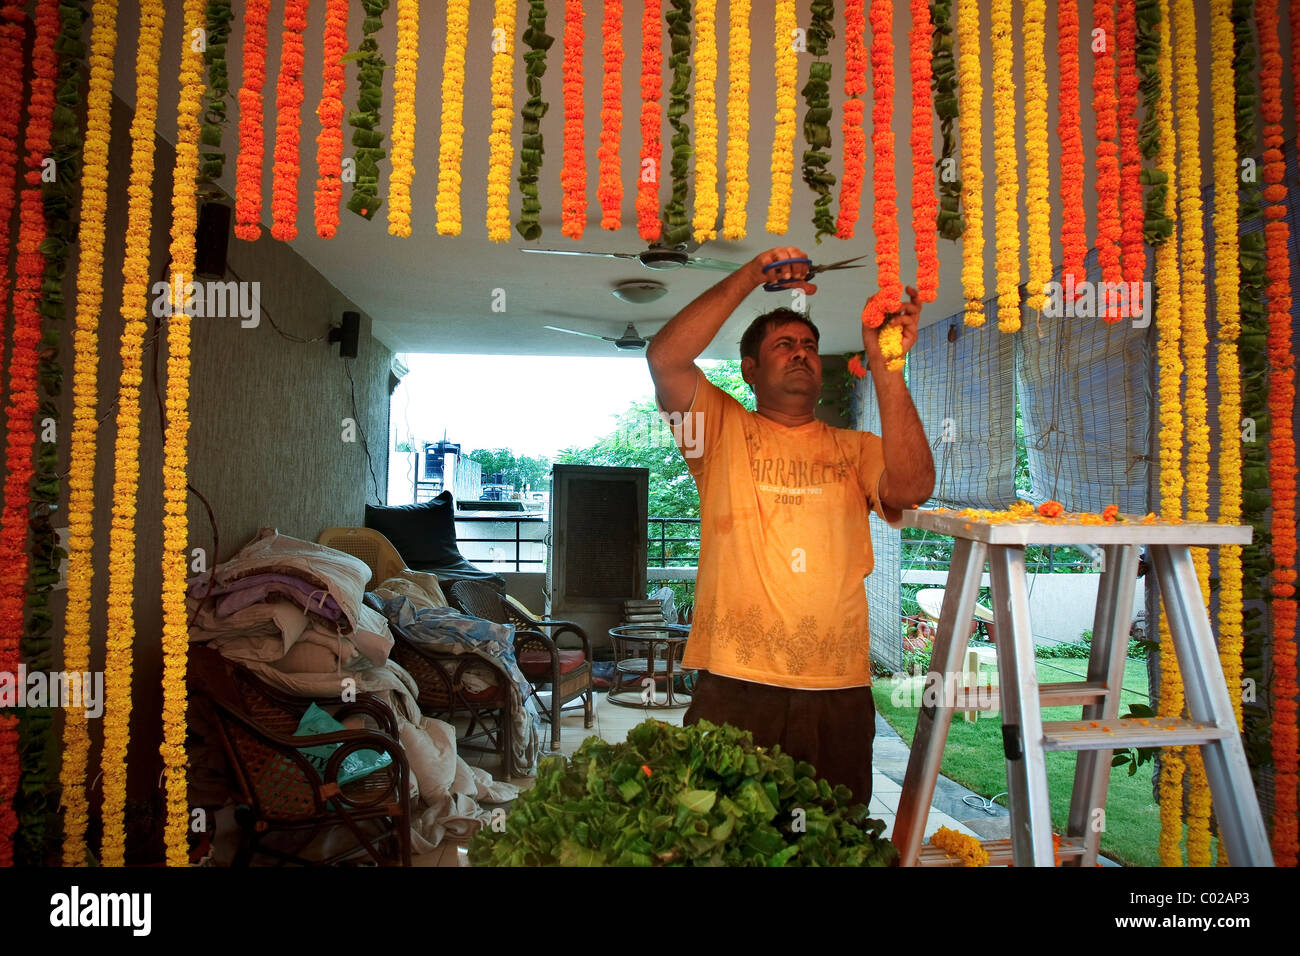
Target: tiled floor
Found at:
890, 761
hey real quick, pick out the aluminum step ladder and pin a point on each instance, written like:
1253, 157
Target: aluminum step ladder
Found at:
1026, 739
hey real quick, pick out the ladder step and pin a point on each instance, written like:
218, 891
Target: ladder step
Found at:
999, 852
1144, 732
1064, 694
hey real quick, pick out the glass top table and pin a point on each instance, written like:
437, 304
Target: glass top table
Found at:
644, 655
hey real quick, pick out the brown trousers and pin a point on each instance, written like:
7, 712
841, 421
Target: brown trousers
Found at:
831, 729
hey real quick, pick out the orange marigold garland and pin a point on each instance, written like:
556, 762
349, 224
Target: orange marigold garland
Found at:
1132, 211
329, 144
288, 123
855, 138
12, 40
573, 175
925, 207
20, 434
1074, 238
885, 211
1106, 105
252, 137
1281, 444
652, 61
609, 190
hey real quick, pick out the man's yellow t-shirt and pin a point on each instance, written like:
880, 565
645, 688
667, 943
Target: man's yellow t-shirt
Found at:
784, 544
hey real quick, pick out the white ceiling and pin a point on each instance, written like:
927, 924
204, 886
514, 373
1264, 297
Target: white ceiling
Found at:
432, 293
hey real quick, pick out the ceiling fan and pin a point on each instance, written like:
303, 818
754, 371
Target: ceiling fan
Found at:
657, 257
629, 341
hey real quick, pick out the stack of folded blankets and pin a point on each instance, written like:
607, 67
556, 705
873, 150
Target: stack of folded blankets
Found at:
292, 611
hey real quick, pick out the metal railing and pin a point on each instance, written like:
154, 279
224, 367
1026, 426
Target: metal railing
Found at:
668, 547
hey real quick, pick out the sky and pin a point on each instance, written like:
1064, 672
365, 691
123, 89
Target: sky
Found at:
532, 404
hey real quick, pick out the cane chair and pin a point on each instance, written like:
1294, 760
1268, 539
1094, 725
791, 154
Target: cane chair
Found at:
567, 671
278, 789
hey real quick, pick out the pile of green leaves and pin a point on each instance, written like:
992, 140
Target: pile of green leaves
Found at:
531, 150
817, 121
943, 80
367, 137
676, 225
702, 795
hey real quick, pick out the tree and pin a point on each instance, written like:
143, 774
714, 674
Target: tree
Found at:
517, 469
641, 439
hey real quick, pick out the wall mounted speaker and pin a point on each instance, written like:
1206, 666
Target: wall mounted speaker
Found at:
211, 240
347, 334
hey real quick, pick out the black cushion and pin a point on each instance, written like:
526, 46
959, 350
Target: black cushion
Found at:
424, 535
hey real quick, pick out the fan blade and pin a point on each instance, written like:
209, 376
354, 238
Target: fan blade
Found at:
590, 335
718, 265
574, 252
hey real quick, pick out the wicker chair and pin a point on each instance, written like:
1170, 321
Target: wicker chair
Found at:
443, 680
568, 671
279, 789
379, 555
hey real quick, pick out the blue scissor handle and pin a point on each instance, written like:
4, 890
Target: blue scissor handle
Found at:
781, 284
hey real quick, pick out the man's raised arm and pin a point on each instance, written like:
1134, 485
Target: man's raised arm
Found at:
673, 350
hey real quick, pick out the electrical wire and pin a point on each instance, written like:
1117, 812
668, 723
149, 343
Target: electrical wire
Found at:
356, 417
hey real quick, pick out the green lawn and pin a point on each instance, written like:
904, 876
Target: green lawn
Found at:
972, 757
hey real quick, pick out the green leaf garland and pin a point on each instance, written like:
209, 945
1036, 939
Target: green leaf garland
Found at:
943, 80
676, 225
817, 121
1157, 226
212, 160
531, 149
367, 137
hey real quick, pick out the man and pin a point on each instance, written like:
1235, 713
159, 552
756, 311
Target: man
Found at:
780, 626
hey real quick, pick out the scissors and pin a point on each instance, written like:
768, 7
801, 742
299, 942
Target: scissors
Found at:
782, 284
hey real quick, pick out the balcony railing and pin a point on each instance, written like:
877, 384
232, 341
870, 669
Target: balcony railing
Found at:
505, 542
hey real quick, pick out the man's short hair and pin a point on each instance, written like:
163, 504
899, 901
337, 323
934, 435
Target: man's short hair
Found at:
752, 340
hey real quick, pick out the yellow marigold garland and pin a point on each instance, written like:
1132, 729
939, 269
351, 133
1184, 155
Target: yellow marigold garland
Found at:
451, 140
1169, 323
126, 454
1228, 311
1038, 211
85, 395
175, 629
1006, 202
501, 147
969, 118
706, 120
787, 70
404, 73
735, 215
1195, 341
965, 848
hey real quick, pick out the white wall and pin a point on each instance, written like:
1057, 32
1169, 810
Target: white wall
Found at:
1060, 605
